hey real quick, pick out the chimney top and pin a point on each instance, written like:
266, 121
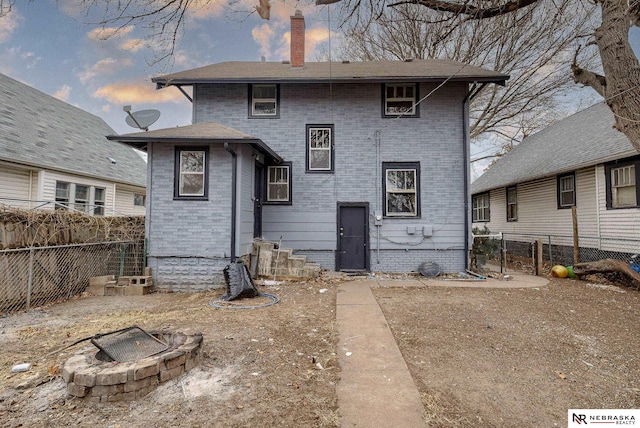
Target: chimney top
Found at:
297, 39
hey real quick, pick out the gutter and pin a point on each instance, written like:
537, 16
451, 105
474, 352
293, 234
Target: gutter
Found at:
473, 92
234, 187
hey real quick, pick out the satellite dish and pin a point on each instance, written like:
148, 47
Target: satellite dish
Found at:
141, 119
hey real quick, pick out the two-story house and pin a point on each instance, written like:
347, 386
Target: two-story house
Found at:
360, 166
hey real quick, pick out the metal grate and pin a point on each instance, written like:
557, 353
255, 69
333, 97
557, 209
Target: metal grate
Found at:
129, 344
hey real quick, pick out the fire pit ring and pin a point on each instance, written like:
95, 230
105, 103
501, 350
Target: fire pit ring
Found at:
91, 376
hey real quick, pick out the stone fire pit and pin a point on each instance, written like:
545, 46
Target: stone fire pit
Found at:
89, 376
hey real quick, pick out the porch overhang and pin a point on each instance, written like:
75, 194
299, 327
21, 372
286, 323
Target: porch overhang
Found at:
200, 133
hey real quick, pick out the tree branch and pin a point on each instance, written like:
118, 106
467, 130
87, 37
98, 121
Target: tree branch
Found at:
472, 11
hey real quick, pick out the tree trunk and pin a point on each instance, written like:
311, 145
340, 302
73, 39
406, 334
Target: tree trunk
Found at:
621, 68
608, 266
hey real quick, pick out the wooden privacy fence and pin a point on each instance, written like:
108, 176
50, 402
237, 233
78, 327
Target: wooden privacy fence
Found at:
39, 275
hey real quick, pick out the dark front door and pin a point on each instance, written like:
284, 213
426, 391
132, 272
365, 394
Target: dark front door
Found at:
258, 197
353, 237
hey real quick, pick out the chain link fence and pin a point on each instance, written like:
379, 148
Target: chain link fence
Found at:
39, 275
516, 251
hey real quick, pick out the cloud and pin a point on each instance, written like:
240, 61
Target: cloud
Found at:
63, 93
137, 93
104, 66
263, 35
102, 34
132, 45
8, 24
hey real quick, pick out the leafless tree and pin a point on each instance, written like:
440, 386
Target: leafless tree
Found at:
619, 83
529, 45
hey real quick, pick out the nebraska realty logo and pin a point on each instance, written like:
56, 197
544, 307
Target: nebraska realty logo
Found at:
600, 417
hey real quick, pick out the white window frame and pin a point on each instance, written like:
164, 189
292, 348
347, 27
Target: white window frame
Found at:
280, 176
512, 206
139, 200
98, 204
400, 96
327, 131
390, 189
255, 100
62, 201
481, 206
563, 190
90, 205
623, 177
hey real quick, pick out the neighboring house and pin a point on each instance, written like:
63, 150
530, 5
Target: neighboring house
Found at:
53, 154
360, 166
581, 161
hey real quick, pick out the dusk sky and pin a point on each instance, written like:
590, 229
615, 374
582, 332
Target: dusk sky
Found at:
49, 45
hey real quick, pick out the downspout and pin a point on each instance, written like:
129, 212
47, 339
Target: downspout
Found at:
234, 185
473, 91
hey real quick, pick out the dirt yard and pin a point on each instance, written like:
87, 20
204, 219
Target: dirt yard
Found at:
480, 357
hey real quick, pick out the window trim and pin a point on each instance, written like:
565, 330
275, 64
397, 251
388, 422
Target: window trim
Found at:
331, 149
508, 190
98, 205
62, 203
416, 97
289, 201
621, 163
136, 196
474, 218
250, 106
176, 173
386, 166
559, 191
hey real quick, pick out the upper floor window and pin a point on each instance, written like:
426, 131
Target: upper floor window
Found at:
512, 204
401, 189
191, 179
566, 190
400, 99
480, 207
320, 148
279, 184
264, 101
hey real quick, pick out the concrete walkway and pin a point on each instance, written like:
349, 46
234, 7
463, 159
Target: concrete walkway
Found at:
376, 389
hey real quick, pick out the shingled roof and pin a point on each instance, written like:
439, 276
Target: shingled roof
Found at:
435, 70
584, 139
40, 131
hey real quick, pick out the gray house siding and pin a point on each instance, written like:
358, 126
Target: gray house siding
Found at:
188, 241
435, 139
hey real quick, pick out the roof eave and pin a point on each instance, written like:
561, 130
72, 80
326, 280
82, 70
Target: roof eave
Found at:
163, 83
140, 142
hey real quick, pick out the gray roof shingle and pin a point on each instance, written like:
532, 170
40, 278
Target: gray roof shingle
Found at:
41, 131
205, 132
584, 139
376, 71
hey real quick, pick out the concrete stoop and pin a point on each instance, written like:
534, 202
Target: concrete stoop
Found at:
281, 262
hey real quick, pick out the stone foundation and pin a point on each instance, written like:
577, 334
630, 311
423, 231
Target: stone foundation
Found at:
104, 381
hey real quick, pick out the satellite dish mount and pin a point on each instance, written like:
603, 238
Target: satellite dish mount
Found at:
141, 119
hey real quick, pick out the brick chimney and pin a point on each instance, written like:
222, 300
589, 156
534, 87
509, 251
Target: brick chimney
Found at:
297, 40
